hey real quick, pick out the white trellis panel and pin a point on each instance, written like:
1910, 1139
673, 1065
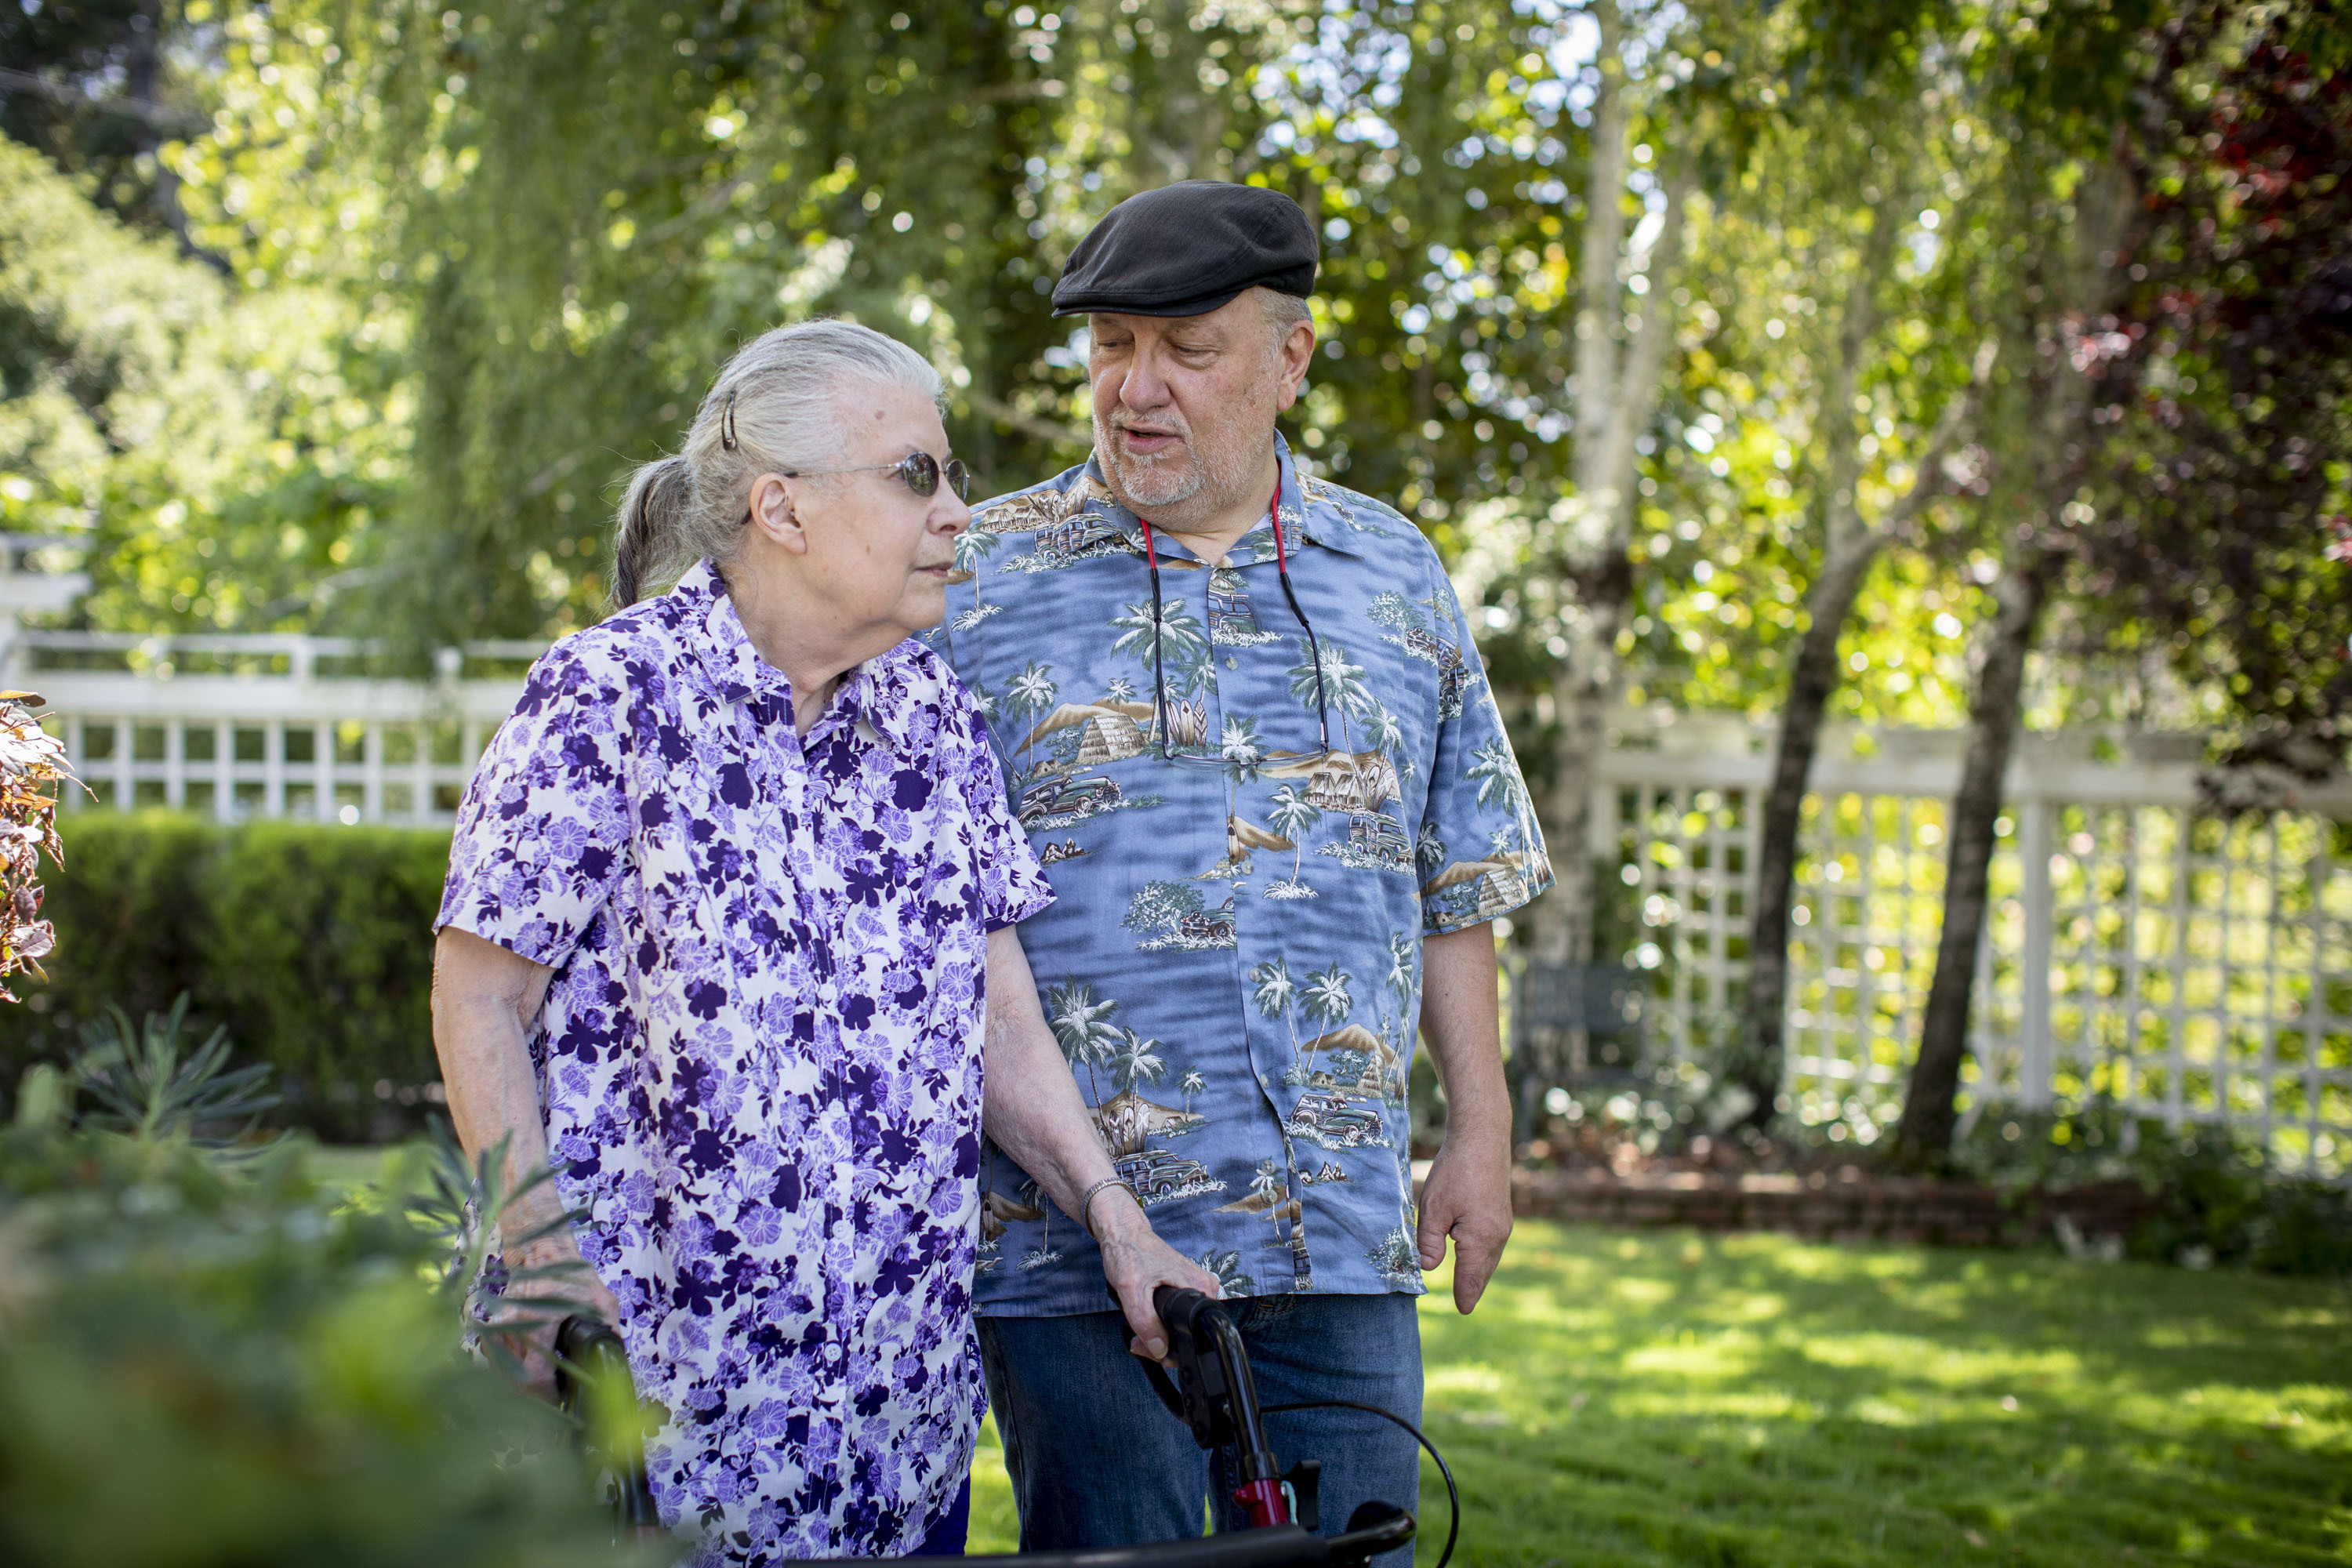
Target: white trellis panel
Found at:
2188, 967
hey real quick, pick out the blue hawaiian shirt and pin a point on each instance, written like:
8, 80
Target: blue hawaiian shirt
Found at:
1231, 961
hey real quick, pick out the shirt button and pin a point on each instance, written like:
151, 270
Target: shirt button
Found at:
1231, 663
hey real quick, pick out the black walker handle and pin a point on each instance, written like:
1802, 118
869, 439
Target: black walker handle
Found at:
590, 1356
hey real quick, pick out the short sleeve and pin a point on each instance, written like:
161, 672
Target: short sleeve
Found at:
543, 831
1012, 885
1479, 827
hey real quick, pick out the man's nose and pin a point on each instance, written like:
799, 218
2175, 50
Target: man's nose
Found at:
954, 517
1143, 386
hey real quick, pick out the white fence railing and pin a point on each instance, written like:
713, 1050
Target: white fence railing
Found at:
2188, 966
238, 727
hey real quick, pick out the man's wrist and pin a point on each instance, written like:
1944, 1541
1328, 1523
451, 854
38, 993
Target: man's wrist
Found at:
1475, 1133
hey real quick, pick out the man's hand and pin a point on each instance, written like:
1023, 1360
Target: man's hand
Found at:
1137, 1263
1467, 1198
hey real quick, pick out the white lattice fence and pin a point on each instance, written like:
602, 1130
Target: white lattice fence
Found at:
2188, 967
2192, 968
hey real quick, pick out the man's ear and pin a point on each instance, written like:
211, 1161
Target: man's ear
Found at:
1298, 353
774, 516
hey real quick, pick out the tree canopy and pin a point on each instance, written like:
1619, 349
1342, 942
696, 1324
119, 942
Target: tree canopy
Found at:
1679, 329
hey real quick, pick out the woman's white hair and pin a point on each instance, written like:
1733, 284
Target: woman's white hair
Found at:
776, 407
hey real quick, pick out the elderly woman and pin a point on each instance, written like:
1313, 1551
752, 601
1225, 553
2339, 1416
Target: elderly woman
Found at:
729, 897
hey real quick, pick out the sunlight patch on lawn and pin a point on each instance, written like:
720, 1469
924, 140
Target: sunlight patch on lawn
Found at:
1882, 1413
1477, 1378
1727, 1354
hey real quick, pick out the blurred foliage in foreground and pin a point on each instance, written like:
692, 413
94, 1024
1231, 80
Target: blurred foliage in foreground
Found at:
209, 1356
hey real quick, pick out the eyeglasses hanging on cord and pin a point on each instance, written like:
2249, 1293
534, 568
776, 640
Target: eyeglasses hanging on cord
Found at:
1159, 677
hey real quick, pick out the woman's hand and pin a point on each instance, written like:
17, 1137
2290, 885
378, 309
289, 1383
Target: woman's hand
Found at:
485, 1000
566, 1287
1137, 1263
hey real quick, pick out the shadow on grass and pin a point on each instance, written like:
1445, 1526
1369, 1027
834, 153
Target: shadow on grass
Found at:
1673, 1398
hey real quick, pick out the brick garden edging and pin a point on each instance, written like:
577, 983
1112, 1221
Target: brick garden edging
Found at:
1847, 1203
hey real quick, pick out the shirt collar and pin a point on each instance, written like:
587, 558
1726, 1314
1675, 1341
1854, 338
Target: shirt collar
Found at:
878, 692
1308, 511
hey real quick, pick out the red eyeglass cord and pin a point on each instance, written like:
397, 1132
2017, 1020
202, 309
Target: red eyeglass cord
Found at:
1273, 511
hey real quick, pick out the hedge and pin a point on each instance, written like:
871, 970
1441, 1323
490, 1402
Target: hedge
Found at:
311, 943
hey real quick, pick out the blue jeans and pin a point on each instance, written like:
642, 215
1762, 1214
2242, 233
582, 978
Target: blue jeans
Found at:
1097, 1460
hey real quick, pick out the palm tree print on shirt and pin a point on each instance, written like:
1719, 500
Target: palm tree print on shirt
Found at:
1290, 814
1267, 1187
1274, 992
1498, 773
1082, 1028
1344, 692
1227, 1267
1030, 693
1270, 1195
1326, 1002
1404, 963
1135, 1060
1243, 752
1176, 639
1039, 1256
972, 547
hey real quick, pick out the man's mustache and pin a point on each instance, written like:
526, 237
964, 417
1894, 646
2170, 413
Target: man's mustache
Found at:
1176, 427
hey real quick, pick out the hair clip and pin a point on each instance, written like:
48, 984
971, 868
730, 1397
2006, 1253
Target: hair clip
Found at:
727, 425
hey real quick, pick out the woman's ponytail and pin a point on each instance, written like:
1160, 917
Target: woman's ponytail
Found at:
773, 409
654, 515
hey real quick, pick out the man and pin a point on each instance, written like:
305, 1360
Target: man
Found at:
1241, 718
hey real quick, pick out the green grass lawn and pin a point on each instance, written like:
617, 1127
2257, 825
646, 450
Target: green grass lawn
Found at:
1670, 1398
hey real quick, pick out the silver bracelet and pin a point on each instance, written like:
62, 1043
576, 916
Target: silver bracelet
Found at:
1086, 1203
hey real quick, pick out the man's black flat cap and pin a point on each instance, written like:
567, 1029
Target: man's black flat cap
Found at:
1185, 250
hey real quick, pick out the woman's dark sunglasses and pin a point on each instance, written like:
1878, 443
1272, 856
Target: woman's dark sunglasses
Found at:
920, 470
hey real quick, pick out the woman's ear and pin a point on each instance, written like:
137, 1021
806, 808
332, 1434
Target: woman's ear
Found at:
774, 516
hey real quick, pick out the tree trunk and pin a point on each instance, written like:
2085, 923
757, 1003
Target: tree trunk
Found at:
1847, 550
1758, 1067
1618, 392
1924, 1137
2105, 204
1761, 1053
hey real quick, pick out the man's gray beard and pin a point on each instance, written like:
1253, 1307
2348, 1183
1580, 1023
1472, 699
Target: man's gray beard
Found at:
1141, 480
1130, 477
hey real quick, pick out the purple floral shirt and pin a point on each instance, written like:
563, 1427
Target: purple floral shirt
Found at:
760, 1052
